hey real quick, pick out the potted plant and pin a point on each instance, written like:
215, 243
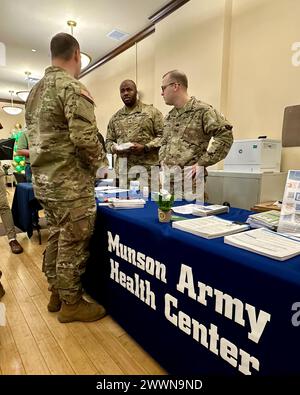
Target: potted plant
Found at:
5, 168
164, 201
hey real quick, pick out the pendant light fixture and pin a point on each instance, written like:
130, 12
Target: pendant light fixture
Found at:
85, 59
12, 110
24, 94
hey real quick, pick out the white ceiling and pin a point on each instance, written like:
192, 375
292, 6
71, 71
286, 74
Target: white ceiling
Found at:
30, 24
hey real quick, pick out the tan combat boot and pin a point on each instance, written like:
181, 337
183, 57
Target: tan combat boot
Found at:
54, 304
81, 311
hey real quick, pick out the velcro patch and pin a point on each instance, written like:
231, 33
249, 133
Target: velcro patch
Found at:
86, 94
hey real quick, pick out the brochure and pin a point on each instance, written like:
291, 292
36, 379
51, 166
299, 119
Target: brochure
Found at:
265, 242
210, 227
200, 210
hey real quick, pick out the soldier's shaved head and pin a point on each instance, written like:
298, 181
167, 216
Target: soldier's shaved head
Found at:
128, 92
177, 76
63, 46
128, 81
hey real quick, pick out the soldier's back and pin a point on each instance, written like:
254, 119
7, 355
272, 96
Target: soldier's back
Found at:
58, 174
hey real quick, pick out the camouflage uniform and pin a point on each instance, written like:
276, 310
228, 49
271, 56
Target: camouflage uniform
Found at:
187, 133
65, 154
143, 124
5, 212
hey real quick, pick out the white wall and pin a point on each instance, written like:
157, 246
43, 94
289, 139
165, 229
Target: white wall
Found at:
237, 55
262, 80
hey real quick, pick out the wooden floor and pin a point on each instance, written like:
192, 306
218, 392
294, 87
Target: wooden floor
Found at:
34, 342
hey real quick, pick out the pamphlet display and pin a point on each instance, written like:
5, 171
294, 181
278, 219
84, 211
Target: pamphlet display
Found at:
267, 219
290, 210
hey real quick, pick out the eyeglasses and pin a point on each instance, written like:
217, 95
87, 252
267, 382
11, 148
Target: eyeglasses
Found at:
163, 87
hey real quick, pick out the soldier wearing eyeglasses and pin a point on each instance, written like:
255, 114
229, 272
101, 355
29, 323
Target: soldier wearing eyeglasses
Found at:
190, 126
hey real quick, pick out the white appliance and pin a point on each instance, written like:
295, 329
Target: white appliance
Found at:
254, 156
244, 190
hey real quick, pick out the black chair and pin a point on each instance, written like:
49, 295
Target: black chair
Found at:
35, 206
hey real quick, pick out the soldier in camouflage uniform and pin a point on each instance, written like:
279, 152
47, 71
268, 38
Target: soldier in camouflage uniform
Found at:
65, 154
140, 124
7, 218
189, 127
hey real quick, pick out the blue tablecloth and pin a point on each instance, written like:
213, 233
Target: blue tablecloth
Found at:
238, 301
25, 207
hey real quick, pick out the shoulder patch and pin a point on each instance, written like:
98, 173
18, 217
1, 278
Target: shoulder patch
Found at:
86, 94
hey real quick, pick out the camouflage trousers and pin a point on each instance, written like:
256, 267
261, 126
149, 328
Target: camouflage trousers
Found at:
5, 212
71, 225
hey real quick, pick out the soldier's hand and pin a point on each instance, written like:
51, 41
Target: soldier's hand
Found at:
137, 149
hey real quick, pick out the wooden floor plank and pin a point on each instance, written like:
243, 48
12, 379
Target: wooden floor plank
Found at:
104, 363
34, 342
121, 356
10, 359
32, 359
145, 360
73, 351
54, 356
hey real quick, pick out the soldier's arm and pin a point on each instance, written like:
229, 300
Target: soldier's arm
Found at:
79, 112
163, 145
158, 125
111, 138
216, 126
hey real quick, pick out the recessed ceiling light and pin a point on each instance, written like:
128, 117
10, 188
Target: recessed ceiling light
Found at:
117, 35
33, 50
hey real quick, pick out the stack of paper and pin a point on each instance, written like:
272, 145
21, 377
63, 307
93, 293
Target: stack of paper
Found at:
109, 189
200, 210
123, 147
126, 203
210, 227
265, 242
184, 209
212, 209
103, 188
267, 219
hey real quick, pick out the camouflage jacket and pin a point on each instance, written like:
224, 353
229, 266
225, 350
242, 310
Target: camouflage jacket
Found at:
64, 148
143, 124
187, 133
